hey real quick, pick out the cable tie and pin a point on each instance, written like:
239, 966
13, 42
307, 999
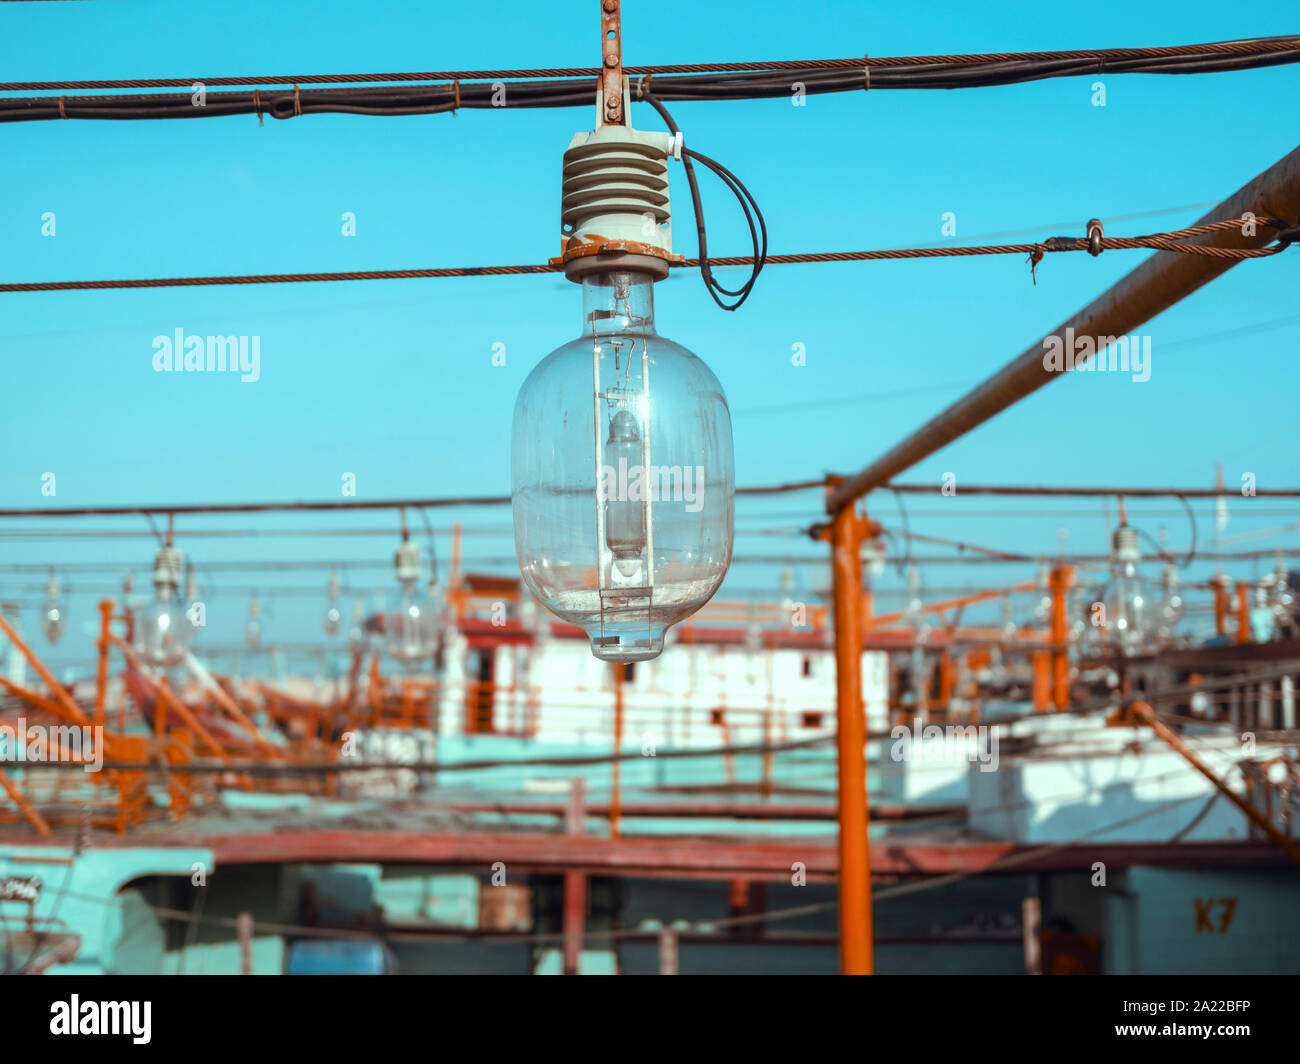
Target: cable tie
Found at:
643, 85
257, 106
297, 101
62, 112
456, 106
866, 75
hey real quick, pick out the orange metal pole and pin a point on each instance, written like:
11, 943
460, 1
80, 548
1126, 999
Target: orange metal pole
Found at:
28, 810
171, 701
615, 795
1062, 576
1243, 613
945, 678
950, 604
453, 576
101, 676
61, 696
851, 738
160, 708
575, 885
35, 700
1042, 680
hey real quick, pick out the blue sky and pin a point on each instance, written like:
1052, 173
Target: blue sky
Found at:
393, 381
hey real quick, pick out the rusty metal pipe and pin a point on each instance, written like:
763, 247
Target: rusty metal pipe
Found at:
1154, 286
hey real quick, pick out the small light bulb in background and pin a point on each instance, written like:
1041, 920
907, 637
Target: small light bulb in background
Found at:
358, 640
1129, 615
915, 609
787, 597
873, 561
53, 615
1172, 606
1009, 626
162, 630
1281, 597
333, 615
411, 617
1043, 610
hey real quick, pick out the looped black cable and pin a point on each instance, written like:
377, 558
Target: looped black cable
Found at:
757, 234
1289, 235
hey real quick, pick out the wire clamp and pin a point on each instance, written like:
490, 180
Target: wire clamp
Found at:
1095, 234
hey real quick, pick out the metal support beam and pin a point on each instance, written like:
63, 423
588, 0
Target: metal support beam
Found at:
1153, 287
575, 884
616, 779
1059, 583
851, 737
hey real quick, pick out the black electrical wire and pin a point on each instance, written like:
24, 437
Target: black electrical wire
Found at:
1191, 550
758, 236
415, 98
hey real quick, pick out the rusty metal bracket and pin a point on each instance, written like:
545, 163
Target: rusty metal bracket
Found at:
611, 49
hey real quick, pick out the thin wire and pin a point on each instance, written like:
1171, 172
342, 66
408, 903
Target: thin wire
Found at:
1171, 241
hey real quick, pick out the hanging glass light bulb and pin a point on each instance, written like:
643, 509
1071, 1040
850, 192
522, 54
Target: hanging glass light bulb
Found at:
357, 638
915, 613
621, 456
52, 613
1129, 616
410, 620
333, 615
253, 630
162, 630
873, 561
1009, 626
1043, 609
787, 597
998, 651
1171, 606
1281, 597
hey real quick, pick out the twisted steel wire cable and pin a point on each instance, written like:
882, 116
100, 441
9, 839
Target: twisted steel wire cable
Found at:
1175, 241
